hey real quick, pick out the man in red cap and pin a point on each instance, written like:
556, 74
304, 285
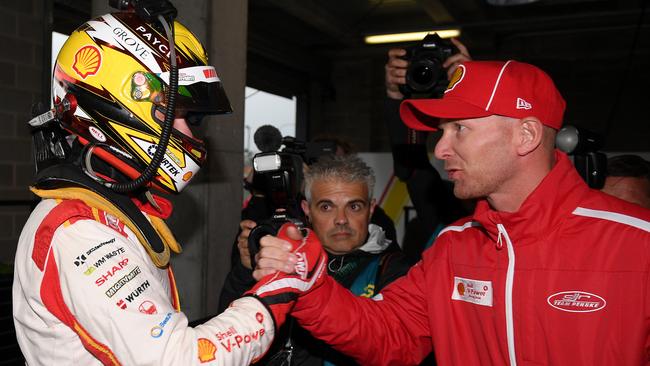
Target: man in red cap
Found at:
546, 271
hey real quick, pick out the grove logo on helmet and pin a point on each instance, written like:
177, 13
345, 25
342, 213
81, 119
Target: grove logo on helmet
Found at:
456, 78
576, 301
87, 61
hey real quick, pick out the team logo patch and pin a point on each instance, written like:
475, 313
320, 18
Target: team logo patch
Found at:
121, 304
87, 61
474, 291
259, 317
456, 78
207, 350
576, 301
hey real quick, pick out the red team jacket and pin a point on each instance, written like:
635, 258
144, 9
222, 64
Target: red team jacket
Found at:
563, 281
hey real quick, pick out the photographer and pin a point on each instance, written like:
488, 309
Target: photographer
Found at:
338, 207
432, 197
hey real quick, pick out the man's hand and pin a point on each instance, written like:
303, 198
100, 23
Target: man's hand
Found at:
396, 67
291, 265
395, 72
242, 242
452, 62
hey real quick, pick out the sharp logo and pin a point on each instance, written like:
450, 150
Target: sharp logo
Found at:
111, 272
122, 281
138, 291
576, 302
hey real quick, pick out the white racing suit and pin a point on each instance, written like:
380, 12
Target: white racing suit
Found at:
86, 292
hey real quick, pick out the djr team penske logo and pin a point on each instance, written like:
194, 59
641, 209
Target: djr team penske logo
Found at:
576, 301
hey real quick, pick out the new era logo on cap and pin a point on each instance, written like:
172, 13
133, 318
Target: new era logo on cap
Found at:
483, 88
522, 104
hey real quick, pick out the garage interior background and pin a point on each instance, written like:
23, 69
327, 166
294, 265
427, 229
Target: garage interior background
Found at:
597, 51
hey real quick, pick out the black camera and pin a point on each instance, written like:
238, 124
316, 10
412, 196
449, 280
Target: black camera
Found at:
425, 76
278, 177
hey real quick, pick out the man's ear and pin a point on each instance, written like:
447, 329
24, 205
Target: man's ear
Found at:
305, 207
529, 135
373, 204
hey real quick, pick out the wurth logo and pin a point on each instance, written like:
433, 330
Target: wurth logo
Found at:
522, 104
134, 295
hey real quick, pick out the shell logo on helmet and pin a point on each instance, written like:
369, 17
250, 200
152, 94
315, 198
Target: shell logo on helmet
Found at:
87, 61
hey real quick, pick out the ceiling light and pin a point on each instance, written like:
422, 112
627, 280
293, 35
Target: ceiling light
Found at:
412, 36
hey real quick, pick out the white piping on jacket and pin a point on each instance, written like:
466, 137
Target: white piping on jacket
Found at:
613, 216
510, 278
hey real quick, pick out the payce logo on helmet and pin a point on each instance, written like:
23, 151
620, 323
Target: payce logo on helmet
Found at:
117, 68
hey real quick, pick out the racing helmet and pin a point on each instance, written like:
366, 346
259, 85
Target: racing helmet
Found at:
116, 68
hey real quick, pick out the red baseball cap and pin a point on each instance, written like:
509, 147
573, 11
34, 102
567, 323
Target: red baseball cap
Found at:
483, 88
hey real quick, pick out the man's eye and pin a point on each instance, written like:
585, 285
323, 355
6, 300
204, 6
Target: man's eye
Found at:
460, 127
325, 207
356, 206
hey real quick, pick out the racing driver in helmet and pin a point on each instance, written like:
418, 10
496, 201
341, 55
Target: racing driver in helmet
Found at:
93, 284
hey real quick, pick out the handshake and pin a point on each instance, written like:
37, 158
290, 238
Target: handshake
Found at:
289, 265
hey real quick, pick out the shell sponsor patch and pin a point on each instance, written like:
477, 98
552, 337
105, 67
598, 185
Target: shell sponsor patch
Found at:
474, 291
207, 350
87, 61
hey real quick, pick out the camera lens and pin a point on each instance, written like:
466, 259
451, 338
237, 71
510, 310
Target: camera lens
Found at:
422, 75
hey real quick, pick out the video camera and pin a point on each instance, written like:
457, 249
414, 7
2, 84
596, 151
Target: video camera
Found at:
425, 76
278, 176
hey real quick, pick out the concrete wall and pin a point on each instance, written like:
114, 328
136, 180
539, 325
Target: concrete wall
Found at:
21, 84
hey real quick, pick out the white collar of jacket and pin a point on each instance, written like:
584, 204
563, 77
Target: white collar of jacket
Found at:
377, 241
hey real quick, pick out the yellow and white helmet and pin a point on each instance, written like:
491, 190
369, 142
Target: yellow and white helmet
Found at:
117, 67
